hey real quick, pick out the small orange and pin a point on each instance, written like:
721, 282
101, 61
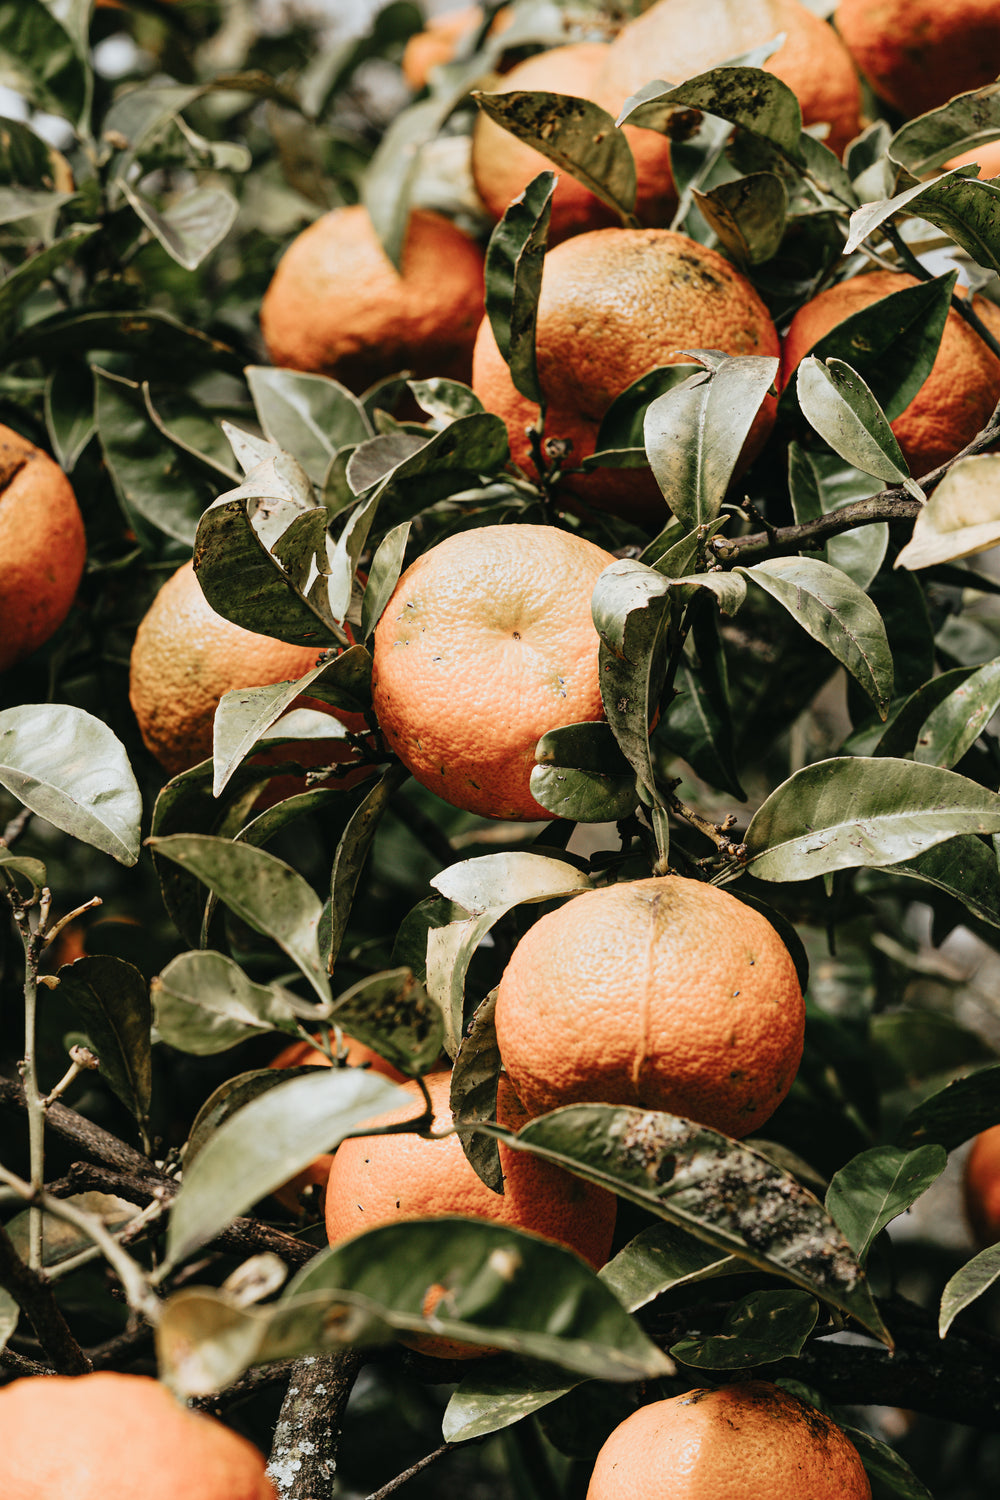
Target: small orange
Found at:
986, 156
486, 644
441, 38
726, 1444
917, 54
42, 544
982, 1186
107, 1436
665, 993
958, 396
337, 306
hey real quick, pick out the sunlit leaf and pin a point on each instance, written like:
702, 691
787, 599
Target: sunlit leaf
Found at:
961, 517
309, 415
190, 228
839, 405
749, 97
205, 1003
876, 1187
967, 1285
964, 207
964, 123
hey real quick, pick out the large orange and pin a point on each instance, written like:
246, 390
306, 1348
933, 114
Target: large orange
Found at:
113, 1437
185, 657
42, 547
982, 1186
677, 39
486, 644
917, 53
958, 396
665, 993
502, 165
726, 1444
337, 306
614, 304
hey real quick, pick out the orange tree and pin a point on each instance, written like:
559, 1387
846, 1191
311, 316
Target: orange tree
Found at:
796, 660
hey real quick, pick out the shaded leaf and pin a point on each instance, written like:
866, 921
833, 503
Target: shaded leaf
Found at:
111, 999
190, 228
819, 483
963, 867
631, 608
955, 1113
514, 263
474, 1079
40, 58
964, 207
761, 1328
147, 334
9, 1314
969, 1283
383, 575
890, 1475
748, 215
877, 1186
20, 284
392, 1013
351, 853
69, 412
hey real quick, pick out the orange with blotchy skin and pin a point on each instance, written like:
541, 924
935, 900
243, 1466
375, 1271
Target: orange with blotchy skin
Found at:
665, 993
337, 306
615, 303
486, 644
917, 54
958, 396
751, 1438
106, 1436
42, 547
982, 1186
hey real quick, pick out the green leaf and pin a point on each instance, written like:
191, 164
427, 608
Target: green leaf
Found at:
392, 1013
351, 852
877, 1186
474, 1079
20, 285
262, 891
143, 334
68, 767
748, 216
761, 1328
717, 1189
69, 412
838, 404
695, 433
383, 575
961, 517
631, 607
265, 1143
964, 207
39, 57
503, 1288
969, 1283
820, 483
698, 725
963, 867
889, 1474
854, 810
955, 1113
387, 184
111, 999
309, 415
204, 1003
835, 612
9, 1314
30, 870
621, 428
28, 161
576, 134
445, 400
582, 775
190, 228
955, 724
514, 264
965, 122
756, 101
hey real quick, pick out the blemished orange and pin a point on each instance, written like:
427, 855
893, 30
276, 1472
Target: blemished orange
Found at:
42, 546
981, 1183
614, 304
666, 993
486, 644
677, 39
186, 656
751, 1438
108, 1436
503, 166
958, 396
917, 54
337, 306
383, 1179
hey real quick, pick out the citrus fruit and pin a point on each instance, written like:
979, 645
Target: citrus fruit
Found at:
725, 1444
616, 303
917, 54
185, 657
337, 306
486, 644
502, 165
665, 993
443, 36
677, 39
986, 156
107, 1436
42, 544
958, 396
982, 1186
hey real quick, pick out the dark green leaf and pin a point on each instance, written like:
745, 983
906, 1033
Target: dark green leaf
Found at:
890, 1475
351, 853
150, 335
698, 724
819, 483
749, 97
622, 426
968, 1284
748, 216
110, 997
445, 400
964, 123
20, 285
838, 404
964, 207
383, 575
69, 412
631, 607
582, 775
955, 1113
877, 1186
392, 1013
474, 1079
41, 58
953, 725
762, 1328
514, 263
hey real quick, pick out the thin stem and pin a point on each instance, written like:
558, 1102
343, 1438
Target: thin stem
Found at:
31, 942
410, 1473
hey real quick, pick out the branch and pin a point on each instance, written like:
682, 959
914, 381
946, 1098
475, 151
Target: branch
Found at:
412, 1471
303, 1459
88, 1139
34, 1296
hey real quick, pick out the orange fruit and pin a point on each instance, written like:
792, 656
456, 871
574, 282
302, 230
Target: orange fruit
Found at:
185, 657
110, 1437
664, 993
614, 304
441, 38
917, 54
982, 1186
751, 1438
486, 644
305, 1055
958, 396
42, 544
677, 39
337, 306
502, 165
986, 156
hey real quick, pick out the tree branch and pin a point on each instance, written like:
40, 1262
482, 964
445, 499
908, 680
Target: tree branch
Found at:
303, 1459
34, 1296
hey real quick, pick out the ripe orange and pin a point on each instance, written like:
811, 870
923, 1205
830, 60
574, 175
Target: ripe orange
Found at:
665, 993
502, 165
185, 656
111, 1437
42, 545
337, 306
441, 38
677, 39
982, 1186
917, 54
987, 156
958, 396
725, 1444
486, 644
385, 1178
614, 304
